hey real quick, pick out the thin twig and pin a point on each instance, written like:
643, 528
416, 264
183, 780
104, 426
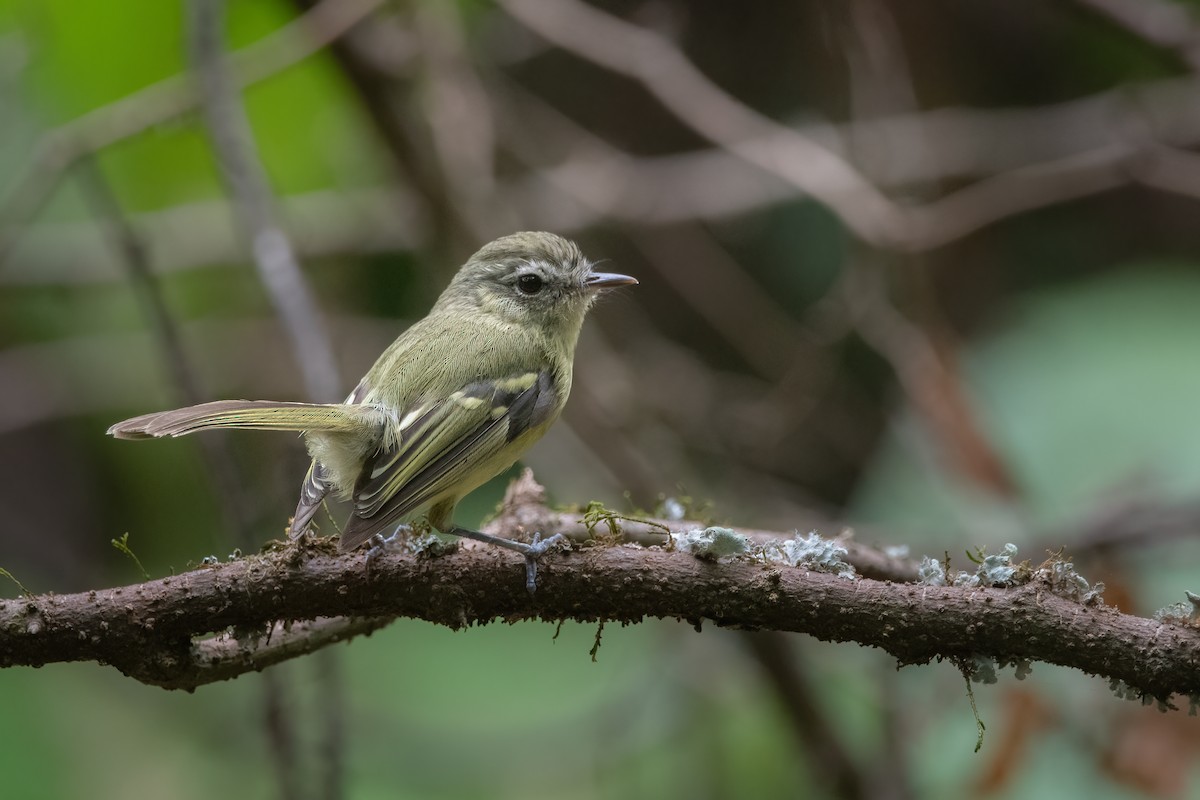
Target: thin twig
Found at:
462, 130
1170, 169
679, 85
727, 297
576, 179
662, 68
382, 97
925, 373
322, 224
233, 142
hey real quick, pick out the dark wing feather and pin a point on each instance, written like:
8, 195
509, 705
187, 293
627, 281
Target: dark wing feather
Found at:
442, 445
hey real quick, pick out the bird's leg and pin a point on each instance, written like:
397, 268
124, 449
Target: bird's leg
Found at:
532, 552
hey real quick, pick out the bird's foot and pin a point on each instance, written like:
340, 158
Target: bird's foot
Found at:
536, 549
532, 552
381, 544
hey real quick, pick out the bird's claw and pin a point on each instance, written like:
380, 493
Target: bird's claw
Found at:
381, 544
534, 551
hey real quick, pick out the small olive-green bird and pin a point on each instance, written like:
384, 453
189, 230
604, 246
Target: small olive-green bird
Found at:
450, 404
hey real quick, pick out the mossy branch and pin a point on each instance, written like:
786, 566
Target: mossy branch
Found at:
220, 621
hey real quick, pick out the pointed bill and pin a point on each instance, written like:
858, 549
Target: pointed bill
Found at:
607, 280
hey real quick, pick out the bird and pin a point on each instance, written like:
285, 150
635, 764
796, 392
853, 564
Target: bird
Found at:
456, 399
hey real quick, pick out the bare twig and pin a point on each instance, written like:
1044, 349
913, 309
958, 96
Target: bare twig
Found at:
667, 73
578, 179
460, 120
936, 145
728, 298
814, 169
274, 255
1169, 169
202, 234
382, 97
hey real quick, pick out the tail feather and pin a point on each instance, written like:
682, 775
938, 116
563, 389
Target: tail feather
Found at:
313, 492
266, 415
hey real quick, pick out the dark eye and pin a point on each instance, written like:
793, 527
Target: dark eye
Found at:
529, 284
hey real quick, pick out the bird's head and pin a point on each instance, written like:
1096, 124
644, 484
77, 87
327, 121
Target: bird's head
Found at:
532, 279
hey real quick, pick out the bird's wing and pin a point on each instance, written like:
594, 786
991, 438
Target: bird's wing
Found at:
448, 442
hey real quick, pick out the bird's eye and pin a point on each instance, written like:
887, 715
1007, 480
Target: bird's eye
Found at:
529, 283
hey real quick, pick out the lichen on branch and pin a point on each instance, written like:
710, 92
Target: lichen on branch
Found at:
220, 621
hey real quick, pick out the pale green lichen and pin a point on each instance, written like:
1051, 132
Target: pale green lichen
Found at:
711, 544
1124, 691
430, 544
1181, 613
985, 669
1176, 614
981, 669
998, 569
811, 551
965, 580
1064, 581
931, 572
1022, 667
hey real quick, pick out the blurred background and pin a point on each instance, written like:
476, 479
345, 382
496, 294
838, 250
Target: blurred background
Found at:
928, 270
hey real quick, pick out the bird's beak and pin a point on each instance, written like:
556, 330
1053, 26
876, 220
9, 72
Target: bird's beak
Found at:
607, 280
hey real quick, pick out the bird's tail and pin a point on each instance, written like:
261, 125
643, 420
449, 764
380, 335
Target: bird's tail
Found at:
263, 415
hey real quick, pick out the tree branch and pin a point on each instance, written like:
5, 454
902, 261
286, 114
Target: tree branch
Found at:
158, 632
